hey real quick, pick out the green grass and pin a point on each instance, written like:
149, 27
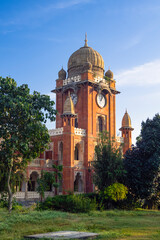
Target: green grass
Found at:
109, 224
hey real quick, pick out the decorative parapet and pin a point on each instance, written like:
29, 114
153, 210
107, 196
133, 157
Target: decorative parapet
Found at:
120, 139
100, 79
55, 132
80, 132
72, 79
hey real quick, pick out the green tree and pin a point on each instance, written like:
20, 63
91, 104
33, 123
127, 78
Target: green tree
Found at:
49, 179
142, 163
23, 133
108, 167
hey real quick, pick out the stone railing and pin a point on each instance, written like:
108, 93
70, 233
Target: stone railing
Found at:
35, 163
120, 139
57, 131
80, 132
72, 79
19, 195
32, 195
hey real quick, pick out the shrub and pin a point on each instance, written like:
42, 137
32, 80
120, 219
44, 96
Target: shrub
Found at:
69, 203
4, 202
116, 192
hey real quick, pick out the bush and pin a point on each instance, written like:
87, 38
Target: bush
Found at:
4, 202
116, 192
69, 203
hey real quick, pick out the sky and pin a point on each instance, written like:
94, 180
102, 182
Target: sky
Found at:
37, 38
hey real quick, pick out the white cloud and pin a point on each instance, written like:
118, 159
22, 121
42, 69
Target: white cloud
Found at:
143, 75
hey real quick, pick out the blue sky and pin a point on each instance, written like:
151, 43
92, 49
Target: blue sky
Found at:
37, 38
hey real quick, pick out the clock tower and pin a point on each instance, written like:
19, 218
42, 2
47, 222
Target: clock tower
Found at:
86, 106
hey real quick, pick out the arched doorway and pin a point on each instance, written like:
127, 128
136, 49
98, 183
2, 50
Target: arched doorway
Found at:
78, 183
32, 183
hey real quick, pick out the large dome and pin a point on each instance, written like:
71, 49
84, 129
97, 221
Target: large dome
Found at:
82, 56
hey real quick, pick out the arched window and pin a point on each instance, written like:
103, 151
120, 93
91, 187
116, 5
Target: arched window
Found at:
78, 183
61, 151
76, 122
100, 124
76, 152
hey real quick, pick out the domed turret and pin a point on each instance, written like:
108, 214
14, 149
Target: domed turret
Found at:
109, 74
68, 106
62, 74
126, 132
82, 56
126, 121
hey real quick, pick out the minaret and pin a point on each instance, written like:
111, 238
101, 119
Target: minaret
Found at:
126, 131
68, 118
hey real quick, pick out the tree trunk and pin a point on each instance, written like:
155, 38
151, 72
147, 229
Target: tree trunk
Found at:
10, 194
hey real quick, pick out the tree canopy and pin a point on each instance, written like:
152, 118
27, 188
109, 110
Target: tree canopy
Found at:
108, 166
23, 134
142, 162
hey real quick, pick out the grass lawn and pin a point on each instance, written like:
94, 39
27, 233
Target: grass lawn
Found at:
113, 224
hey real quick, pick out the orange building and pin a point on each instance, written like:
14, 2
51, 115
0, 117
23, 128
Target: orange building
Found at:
86, 105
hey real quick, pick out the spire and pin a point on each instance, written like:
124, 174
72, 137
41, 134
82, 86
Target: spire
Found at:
86, 44
68, 108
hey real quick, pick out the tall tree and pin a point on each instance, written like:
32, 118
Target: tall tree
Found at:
142, 163
108, 166
23, 133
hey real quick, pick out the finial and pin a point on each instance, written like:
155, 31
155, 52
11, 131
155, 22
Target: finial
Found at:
86, 44
126, 110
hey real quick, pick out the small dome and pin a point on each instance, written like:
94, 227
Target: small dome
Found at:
62, 74
79, 58
126, 121
109, 74
68, 106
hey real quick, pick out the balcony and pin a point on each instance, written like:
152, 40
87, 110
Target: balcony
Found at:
80, 132
55, 132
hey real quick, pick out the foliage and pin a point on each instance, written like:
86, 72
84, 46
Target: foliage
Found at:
142, 163
22, 131
116, 192
69, 203
108, 167
49, 180
4, 202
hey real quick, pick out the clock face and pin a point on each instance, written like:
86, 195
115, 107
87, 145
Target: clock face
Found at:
74, 98
101, 100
